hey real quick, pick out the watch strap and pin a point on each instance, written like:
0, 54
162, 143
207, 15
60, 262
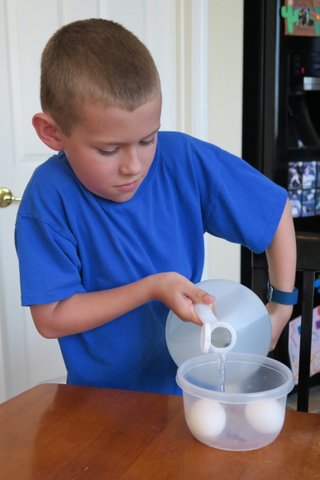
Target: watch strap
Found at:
285, 298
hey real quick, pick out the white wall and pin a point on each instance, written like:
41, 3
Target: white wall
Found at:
225, 111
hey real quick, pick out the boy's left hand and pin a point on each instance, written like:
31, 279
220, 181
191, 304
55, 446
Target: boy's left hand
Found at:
279, 316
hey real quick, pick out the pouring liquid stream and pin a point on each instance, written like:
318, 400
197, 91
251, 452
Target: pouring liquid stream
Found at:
218, 337
222, 370
222, 340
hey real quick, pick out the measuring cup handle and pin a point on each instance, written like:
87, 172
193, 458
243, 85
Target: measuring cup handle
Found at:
205, 313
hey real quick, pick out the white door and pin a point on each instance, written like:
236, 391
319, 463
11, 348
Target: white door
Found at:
166, 26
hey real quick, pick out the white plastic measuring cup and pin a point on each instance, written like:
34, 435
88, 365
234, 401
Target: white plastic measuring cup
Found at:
239, 313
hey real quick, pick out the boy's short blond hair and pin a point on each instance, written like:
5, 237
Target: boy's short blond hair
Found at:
98, 61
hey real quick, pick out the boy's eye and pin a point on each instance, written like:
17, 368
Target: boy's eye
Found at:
108, 151
113, 149
148, 141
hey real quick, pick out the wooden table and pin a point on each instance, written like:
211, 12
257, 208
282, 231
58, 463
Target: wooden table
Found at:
65, 432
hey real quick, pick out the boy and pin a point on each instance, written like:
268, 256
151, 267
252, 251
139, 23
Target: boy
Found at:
109, 233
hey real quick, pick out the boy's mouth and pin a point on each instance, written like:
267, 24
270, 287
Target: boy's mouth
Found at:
127, 187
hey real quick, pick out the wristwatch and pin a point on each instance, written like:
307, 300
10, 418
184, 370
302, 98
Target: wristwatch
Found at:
285, 298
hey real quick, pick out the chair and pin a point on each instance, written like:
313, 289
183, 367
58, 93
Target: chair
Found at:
308, 264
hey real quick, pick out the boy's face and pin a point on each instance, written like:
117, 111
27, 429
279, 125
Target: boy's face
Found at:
111, 149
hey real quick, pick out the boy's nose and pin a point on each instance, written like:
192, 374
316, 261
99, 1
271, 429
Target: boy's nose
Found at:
130, 163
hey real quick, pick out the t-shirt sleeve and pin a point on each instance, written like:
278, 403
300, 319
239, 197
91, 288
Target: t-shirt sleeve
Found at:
48, 261
243, 205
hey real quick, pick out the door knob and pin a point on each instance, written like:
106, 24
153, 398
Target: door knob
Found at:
6, 197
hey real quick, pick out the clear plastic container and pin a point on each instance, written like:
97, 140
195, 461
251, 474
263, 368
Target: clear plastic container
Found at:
249, 413
242, 324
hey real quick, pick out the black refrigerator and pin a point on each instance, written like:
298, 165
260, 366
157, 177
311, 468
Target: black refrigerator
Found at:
281, 112
281, 103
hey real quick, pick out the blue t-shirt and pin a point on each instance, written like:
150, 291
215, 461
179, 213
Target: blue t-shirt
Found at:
71, 241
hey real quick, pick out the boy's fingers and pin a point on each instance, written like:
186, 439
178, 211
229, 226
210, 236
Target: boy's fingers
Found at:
201, 296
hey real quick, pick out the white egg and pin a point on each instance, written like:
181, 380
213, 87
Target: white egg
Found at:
206, 418
265, 416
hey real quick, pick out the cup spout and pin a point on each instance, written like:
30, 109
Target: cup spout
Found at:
216, 336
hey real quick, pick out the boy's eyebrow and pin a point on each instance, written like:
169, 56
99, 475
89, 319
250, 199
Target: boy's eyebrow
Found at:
141, 140
151, 133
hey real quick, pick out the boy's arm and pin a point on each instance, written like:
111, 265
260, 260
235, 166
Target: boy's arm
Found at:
85, 311
281, 256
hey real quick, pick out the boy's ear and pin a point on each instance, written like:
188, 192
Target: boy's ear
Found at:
48, 131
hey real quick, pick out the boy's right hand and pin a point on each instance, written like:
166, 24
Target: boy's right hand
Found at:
83, 311
180, 295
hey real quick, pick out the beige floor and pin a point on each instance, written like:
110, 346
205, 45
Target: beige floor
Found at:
314, 400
